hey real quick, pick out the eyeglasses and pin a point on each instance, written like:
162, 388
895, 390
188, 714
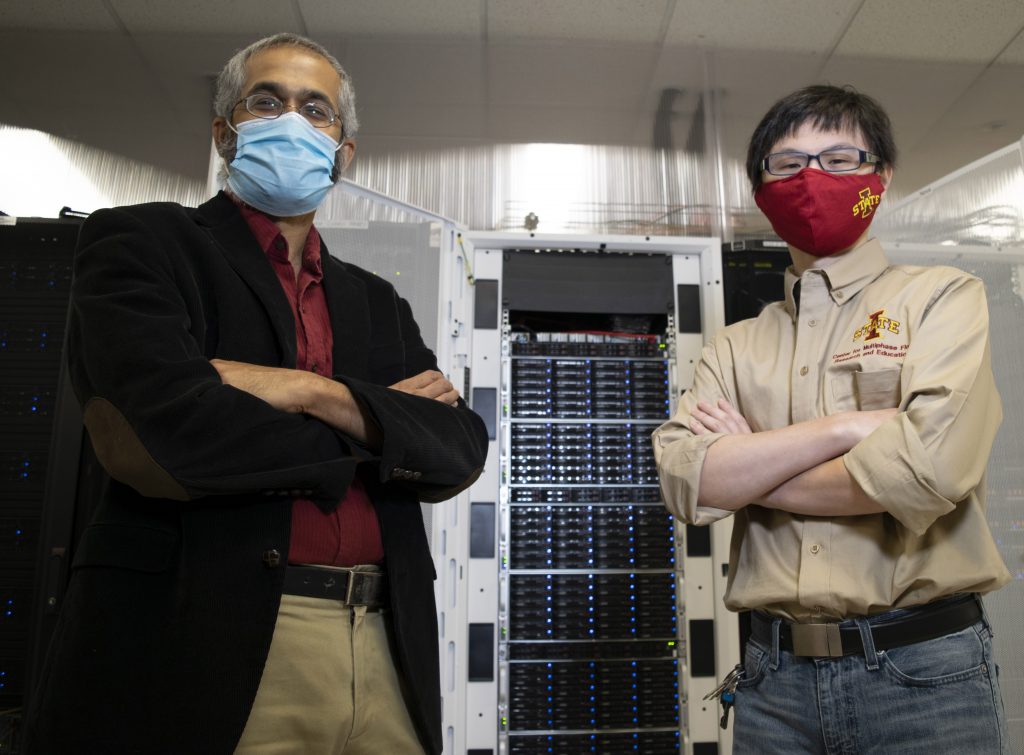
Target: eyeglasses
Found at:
833, 160
268, 107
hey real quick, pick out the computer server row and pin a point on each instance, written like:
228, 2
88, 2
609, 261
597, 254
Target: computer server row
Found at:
627, 743
633, 694
601, 536
582, 452
595, 388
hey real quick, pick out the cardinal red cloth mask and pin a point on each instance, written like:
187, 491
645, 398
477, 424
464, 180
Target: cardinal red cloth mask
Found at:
818, 212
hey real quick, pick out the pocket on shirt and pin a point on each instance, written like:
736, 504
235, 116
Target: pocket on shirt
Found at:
878, 389
866, 389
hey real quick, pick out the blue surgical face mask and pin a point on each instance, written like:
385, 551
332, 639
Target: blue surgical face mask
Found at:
282, 166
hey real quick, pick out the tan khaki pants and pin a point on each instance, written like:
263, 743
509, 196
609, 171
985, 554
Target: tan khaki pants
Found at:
329, 687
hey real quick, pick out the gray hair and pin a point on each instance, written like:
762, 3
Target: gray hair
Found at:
228, 90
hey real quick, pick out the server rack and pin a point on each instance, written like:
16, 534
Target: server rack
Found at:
40, 441
590, 610
591, 643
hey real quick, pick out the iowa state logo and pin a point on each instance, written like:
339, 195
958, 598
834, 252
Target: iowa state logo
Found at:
866, 203
876, 325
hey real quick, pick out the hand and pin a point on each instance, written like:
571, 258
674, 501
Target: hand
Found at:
282, 388
718, 418
429, 384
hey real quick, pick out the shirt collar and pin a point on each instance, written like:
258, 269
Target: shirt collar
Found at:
846, 276
272, 241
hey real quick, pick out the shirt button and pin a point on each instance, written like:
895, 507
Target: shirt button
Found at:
815, 548
803, 371
812, 323
839, 294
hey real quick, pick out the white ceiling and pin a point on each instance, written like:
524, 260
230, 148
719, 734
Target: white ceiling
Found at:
133, 76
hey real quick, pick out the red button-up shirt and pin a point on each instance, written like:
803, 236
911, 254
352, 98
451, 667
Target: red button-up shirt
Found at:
350, 534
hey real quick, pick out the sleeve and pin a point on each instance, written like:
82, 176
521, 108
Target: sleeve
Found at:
679, 453
934, 452
435, 449
158, 415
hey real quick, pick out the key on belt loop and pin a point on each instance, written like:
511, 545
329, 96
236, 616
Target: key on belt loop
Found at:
822, 640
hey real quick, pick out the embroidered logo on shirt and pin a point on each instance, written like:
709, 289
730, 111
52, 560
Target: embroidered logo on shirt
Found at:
876, 324
867, 203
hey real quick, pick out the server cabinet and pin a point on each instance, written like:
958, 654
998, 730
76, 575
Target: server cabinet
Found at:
591, 610
40, 441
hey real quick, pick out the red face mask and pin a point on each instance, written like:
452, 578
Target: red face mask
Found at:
818, 212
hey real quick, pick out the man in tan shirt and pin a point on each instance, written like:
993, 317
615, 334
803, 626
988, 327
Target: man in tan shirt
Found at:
847, 430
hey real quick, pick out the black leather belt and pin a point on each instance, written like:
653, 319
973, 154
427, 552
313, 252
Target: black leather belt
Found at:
832, 640
352, 587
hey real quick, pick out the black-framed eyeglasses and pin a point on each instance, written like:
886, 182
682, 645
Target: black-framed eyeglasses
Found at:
842, 160
268, 107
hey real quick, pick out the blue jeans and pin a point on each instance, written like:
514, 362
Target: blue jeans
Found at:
933, 697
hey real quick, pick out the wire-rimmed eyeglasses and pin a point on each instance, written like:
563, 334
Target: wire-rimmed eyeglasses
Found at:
268, 107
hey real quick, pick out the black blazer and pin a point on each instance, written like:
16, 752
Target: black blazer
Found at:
176, 583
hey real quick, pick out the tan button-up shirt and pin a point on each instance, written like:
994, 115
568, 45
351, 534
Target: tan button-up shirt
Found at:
866, 335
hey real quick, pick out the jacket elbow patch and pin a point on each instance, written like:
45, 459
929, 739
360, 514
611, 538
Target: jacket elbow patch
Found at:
123, 455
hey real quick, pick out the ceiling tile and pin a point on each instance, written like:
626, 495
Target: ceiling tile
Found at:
993, 103
946, 30
413, 72
915, 93
203, 17
570, 75
595, 20
444, 18
106, 68
987, 116
784, 25
80, 15
1014, 52
399, 119
179, 53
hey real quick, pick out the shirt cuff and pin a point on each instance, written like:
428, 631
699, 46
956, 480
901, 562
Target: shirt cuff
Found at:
893, 469
680, 460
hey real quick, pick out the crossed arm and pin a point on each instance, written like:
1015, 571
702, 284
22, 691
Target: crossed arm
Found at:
798, 468
301, 392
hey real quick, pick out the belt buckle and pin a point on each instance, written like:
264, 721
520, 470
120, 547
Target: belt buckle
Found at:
821, 640
362, 588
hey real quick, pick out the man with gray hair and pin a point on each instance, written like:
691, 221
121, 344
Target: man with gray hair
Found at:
256, 577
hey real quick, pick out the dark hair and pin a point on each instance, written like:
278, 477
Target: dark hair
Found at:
829, 108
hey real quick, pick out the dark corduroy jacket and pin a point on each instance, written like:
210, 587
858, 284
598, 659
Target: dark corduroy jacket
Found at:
175, 586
